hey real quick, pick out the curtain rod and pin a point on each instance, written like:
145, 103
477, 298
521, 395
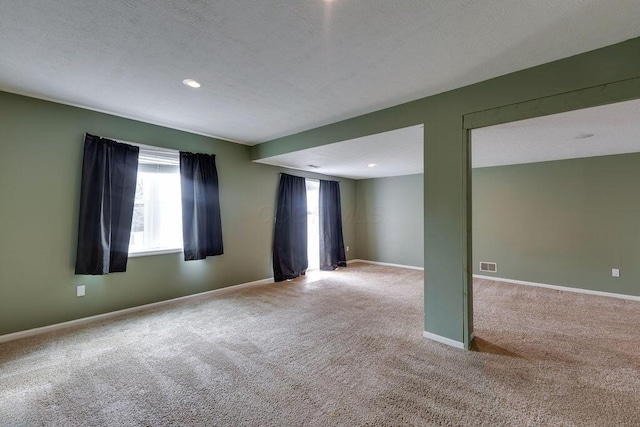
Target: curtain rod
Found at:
145, 146
151, 147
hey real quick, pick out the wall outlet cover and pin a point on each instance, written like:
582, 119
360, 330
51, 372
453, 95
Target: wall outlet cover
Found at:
80, 291
615, 272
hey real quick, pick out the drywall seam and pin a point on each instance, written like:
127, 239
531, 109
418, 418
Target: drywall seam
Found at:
112, 314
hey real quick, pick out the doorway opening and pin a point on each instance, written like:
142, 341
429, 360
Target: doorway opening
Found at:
313, 224
552, 202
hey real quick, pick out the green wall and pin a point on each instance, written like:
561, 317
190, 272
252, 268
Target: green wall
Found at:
593, 78
41, 147
46, 137
564, 223
389, 225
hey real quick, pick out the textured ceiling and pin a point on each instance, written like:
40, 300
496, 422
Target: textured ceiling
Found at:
270, 68
615, 129
398, 152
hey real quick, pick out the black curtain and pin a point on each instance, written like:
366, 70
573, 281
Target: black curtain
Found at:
201, 223
290, 235
109, 173
331, 240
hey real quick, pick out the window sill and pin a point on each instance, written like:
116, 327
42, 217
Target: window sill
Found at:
155, 252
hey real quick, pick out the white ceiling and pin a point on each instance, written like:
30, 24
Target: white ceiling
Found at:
270, 68
615, 129
397, 152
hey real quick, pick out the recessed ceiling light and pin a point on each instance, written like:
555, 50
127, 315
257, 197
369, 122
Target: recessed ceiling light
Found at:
191, 83
372, 165
583, 136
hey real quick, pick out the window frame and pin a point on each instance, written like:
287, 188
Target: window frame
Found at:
164, 156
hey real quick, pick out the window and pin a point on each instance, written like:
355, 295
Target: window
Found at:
313, 224
157, 212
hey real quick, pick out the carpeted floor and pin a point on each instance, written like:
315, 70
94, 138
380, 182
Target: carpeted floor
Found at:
340, 348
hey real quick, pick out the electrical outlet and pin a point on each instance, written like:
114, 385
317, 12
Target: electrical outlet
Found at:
347, 248
615, 272
80, 291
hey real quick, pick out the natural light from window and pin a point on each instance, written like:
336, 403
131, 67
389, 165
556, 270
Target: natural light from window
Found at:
157, 212
313, 224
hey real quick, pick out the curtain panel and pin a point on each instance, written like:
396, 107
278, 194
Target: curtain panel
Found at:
109, 172
332, 253
290, 234
201, 221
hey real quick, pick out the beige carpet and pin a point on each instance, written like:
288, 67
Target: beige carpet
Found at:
341, 348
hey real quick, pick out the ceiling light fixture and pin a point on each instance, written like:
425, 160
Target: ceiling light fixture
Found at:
372, 165
583, 136
191, 83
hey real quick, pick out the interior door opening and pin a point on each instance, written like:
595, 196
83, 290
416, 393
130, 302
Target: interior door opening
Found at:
313, 224
549, 207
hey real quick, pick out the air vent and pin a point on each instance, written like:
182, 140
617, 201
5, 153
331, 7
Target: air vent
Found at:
489, 267
314, 166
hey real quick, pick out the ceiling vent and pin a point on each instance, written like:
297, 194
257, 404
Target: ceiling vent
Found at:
489, 267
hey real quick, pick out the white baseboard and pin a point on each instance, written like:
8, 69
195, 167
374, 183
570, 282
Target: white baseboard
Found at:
443, 340
559, 288
388, 264
84, 320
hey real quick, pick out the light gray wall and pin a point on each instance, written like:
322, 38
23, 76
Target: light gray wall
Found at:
565, 223
41, 147
390, 220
